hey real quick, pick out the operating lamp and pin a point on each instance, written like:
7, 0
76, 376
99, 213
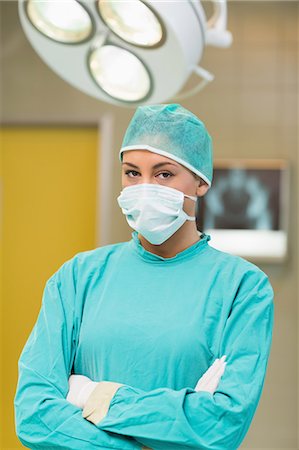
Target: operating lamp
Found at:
125, 52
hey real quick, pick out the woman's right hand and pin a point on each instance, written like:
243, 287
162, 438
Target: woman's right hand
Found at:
210, 379
80, 388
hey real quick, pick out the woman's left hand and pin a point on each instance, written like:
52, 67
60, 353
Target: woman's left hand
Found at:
80, 388
211, 378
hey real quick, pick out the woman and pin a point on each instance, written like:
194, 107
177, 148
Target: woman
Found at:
136, 334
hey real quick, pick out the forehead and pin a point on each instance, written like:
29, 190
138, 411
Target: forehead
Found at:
141, 157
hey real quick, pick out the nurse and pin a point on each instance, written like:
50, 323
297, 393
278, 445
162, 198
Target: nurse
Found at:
161, 342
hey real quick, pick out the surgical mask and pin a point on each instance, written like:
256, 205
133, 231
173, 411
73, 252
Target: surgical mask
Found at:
155, 211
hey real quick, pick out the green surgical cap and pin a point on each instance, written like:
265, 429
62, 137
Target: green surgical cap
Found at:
174, 132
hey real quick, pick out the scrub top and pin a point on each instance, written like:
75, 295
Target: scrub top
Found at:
122, 314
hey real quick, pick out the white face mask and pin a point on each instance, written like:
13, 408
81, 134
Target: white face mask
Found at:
155, 211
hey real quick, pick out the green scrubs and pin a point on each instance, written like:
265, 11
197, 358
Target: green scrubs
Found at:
120, 313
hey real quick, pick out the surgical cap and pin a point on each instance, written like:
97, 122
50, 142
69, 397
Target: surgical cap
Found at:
174, 132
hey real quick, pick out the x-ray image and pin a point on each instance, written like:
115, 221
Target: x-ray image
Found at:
243, 199
245, 210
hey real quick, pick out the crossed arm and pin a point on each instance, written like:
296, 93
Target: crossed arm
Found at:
95, 398
82, 389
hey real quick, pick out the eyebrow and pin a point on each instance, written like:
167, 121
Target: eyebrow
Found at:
156, 166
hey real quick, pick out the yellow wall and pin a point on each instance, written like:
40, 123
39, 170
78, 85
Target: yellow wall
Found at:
49, 202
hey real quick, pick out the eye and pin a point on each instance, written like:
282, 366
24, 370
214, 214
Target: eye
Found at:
131, 173
164, 175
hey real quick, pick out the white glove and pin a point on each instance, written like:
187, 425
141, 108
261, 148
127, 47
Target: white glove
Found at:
210, 379
80, 388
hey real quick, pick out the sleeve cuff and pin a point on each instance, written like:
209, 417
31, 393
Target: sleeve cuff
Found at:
98, 402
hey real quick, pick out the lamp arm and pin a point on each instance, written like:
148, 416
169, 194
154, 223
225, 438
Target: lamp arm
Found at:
216, 31
206, 78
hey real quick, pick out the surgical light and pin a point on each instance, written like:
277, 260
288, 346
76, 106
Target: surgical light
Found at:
126, 52
108, 61
132, 21
64, 21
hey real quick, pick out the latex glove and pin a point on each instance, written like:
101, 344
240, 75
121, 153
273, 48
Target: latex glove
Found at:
210, 379
80, 388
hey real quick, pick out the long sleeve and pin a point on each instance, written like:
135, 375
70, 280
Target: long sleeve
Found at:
44, 418
167, 419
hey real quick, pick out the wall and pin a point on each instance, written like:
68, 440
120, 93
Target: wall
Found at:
49, 185
250, 110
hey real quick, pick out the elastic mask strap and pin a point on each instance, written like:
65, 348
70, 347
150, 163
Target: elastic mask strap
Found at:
192, 218
191, 197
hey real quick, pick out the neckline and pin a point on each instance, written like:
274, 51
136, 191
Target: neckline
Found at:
188, 253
